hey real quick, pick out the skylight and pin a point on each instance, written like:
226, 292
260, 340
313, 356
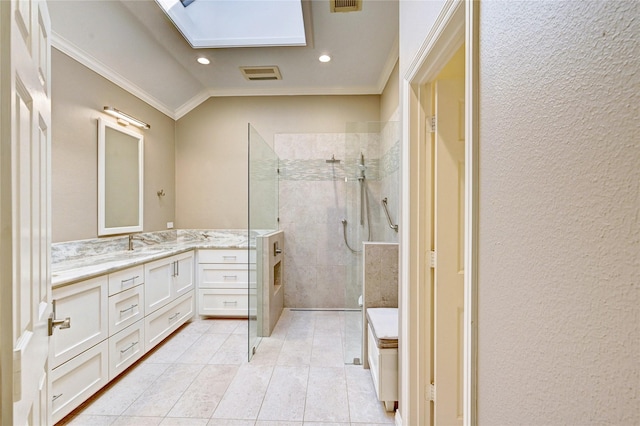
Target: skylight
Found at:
237, 23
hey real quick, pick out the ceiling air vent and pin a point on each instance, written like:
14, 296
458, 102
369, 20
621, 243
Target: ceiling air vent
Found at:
345, 5
261, 73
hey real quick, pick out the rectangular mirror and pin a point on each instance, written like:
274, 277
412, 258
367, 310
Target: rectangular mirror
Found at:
120, 179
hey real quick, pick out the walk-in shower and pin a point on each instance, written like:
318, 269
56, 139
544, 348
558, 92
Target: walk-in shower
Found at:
330, 187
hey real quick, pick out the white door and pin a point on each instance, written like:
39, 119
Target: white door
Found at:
25, 204
449, 248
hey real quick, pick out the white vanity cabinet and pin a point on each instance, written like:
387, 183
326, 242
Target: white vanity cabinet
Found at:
85, 304
164, 321
125, 279
126, 315
125, 348
223, 282
115, 319
169, 300
166, 279
79, 354
76, 380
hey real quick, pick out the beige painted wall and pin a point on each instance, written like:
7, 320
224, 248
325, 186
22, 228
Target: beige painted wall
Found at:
78, 96
211, 156
390, 97
559, 258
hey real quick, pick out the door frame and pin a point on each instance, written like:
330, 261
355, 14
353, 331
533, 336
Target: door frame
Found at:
456, 24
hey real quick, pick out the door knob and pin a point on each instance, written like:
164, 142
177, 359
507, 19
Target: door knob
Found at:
61, 323
53, 322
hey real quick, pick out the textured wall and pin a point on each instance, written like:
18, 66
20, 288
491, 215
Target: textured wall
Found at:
78, 96
559, 268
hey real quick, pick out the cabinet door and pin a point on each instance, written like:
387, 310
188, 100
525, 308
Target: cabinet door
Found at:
183, 276
86, 304
76, 380
158, 278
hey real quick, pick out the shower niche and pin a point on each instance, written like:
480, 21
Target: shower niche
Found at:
271, 299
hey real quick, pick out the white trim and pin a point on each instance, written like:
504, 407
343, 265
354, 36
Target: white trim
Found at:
446, 29
472, 134
392, 59
450, 30
191, 104
69, 49
86, 59
301, 91
102, 229
296, 91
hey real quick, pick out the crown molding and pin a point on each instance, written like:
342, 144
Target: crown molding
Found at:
69, 49
392, 59
301, 91
191, 104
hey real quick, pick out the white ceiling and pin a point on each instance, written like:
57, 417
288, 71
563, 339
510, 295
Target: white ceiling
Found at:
134, 44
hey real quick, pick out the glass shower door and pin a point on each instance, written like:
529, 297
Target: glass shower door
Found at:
359, 153
262, 219
372, 162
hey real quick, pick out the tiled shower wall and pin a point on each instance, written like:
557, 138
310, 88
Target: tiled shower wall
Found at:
314, 198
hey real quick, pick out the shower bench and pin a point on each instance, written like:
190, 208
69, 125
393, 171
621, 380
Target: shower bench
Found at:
383, 353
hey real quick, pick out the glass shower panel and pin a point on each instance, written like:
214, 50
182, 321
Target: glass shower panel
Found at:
371, 168
262, 219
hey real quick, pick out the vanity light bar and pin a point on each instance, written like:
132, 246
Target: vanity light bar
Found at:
126, 117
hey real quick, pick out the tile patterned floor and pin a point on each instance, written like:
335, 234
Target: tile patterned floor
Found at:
200, 376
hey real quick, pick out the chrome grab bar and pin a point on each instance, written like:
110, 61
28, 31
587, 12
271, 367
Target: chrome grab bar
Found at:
386, 210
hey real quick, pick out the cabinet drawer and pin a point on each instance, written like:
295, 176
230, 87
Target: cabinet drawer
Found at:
167, 319
125, 308
226, 256
125, 348
75, 381
225, 302
223, 276
86, 304
125, 279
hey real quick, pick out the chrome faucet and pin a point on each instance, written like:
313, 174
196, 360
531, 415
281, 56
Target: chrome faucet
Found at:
130, 241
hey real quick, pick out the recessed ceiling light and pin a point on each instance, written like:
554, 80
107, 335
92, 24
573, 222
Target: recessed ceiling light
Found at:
324, 58
203, 60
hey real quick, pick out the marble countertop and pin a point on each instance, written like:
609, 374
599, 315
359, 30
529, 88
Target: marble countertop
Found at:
81, 260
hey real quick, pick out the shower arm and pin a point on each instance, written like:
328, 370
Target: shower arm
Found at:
386, 210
